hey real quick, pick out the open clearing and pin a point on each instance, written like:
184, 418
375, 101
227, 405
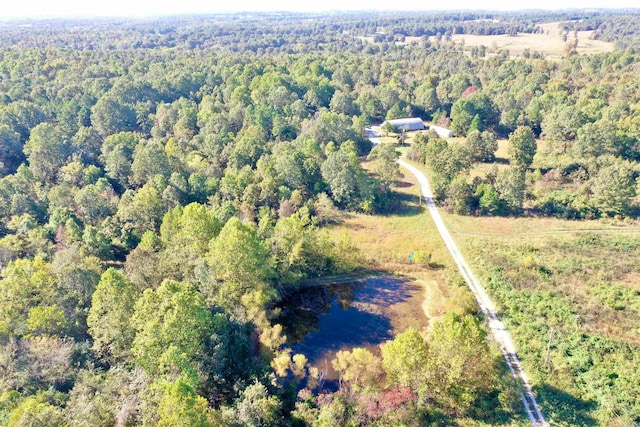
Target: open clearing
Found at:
549, 43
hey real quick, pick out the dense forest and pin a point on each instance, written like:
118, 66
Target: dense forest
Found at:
164, 183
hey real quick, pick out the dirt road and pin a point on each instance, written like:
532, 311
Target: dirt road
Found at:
496, 326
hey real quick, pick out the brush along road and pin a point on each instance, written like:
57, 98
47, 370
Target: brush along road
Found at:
497, 328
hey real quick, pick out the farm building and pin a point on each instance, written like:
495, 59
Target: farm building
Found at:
408, 124
442, 132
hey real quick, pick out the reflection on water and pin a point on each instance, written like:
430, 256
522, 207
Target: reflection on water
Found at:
321, 321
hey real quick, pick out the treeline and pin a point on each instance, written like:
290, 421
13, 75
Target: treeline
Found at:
281, 32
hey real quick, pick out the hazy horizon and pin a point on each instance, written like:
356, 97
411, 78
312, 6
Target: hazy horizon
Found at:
145, 8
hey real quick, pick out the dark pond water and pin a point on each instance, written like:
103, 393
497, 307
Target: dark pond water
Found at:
323, 320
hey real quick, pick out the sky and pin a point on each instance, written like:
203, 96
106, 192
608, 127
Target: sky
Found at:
141, 8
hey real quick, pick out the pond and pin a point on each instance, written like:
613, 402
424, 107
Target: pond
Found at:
323, 320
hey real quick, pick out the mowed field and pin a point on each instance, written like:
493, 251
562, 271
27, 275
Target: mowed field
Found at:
549, 43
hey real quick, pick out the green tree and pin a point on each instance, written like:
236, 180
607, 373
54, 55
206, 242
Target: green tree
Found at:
483, 145
117, 156
186, 234
256, 408
173, 318
96, 202
47, 151
10, 150
241, 267
511, 186
181, 406
475, 112
386, 168
522, 146
34, 411
360, 368
340, 174
110, 116
488, 199
141, 210
110, 314
86, 144
405, 360
614, 188
77, 276
25, 285
462, 368
342, 103
561, 125
149, 160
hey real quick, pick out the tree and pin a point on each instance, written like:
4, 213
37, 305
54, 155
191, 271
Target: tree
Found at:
173, 318
510, 184
475, 112
37, 362
388, 128
117, 156
405, 360
603, 137
613, 188
360, 368
86, 145
141, 210
427, 98
340, 174
36, 411
446, 161
395, 112
386, 169
462, 369
342, 103
186, 234
77, 276
149, 160
330, 126
241, 266
522, 146
110, 314
459, 196
109, 116
26, 285
488, 199
181, 406
10, 150
47, 151
256, 408
96, 202
483, 145
561, 125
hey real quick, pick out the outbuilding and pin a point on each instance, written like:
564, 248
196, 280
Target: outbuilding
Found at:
442, 132
414, 123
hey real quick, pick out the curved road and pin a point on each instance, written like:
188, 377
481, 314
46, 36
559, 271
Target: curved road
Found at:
496, 326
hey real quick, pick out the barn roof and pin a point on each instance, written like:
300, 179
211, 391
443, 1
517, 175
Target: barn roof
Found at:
407, 121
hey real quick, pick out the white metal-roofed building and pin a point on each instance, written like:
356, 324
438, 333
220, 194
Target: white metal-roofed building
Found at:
442, 132
408, 124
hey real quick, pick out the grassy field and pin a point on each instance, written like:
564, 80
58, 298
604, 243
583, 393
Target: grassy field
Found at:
572, 287
549, 43
576, 284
